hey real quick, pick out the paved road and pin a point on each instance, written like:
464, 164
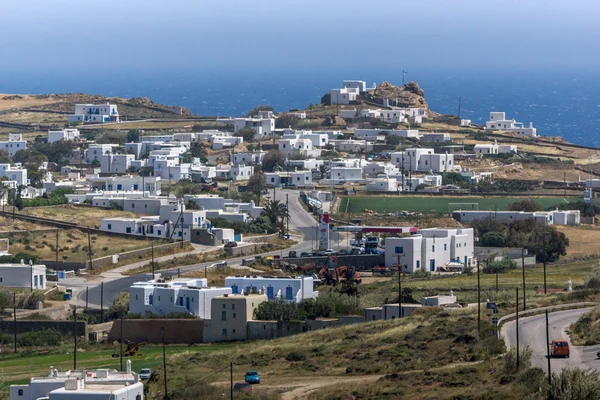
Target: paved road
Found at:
532, 332
300, 221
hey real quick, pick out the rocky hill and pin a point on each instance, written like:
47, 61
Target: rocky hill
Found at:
407, 96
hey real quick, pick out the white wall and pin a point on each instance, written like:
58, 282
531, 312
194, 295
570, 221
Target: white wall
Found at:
23, 275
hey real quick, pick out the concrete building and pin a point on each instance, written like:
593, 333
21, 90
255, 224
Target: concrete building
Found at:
94, 151
64, 134
234, 172
343, 95
318, 139
373, 169
15, 173
557, 217
345, 174
430, 249
231, 314
80, 389
248, 157
424, 160
116, 163
41, 387
289, 178
298, 147
353, 146
382, 185
308, 165
23, 275
494, 148
14, 143
499, 122
389, 311
150, 185
435, 137
191, 296
94, 113
284, 288
263, 123
376, 134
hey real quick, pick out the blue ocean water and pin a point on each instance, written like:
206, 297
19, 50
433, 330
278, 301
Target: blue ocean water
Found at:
559, 103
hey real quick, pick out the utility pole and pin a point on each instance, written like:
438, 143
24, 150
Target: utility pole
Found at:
496, 280
162, 331
56, 266
399, 288
478, 297
15, 319
545, 256
231, 380
523, 268
87, 294
75, 338
287, 211
181, 222
517, 314
152, 262
101, 302
121, 345
548, 351
90, 248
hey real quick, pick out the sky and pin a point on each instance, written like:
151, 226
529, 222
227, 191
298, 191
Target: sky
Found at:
233, 34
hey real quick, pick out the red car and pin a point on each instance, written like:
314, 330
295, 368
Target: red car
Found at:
243, 387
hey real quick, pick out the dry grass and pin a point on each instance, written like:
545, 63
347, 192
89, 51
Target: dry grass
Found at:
85, 216
22, 101
583, 240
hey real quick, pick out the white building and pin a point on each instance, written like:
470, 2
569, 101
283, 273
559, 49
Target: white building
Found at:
94, 151
309, 165
484, 149
376, 134
289, 178
430, 249
298, 147
14, 143
343, 96
345, 174
412, 183
148, 185
318, 139
435, 137
65, 134
248, 157
23, 275
221, 142
80, 389
115, 163
556, 217
373, 169
288, 289
179, 296
41, 387
499, 122
382, 185
353, 146
15, 173
94, 113
234, 172
262, 124
424, 160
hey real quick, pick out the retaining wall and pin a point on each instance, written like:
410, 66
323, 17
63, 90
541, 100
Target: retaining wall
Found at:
176, 331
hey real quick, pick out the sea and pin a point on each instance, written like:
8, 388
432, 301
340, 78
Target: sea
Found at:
559, 102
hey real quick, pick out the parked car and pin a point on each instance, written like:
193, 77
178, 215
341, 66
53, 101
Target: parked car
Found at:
230, 244
371, 250
560, 348
243, 387
145, 373
343, 252
292, 254
329, 252
252, 376
304, 254
287, 236
355, 251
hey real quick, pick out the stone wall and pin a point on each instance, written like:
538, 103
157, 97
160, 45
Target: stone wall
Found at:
176, 331
23, 326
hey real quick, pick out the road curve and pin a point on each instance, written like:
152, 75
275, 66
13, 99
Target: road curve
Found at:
532, 332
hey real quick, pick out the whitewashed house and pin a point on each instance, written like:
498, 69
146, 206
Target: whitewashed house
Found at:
15, 173
94, 113
556, 217
430, 249
298, 147
14, 143
116, 163
64, 134
23, 275
248, 157
499, 122
493, 148
277, 288
373, 169
424, 160
382, 185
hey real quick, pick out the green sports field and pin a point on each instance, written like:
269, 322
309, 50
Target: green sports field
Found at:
437, 204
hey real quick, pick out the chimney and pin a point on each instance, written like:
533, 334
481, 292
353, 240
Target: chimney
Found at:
128, 364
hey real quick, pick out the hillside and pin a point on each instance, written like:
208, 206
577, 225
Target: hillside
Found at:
408, 96
52, 109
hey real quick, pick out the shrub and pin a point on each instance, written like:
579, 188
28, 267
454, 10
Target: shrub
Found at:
510, 359
575, 383
49, 337
295, 356
493, 239
500, 266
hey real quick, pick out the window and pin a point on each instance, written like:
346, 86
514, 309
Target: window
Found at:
399, 250
232, 306
223, 315
128, 230
234, 315
20, 392
433, 247
224, 332
109, 226
136, 296
234, 331
445, 247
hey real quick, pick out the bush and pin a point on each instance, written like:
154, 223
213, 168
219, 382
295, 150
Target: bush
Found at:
510, 359
493, 239
295, 356
48, 337
575, 383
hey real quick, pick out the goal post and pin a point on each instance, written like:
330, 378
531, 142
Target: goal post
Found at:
462, 207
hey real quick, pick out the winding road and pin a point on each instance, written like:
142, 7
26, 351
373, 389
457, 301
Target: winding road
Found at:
300, 220
532, 332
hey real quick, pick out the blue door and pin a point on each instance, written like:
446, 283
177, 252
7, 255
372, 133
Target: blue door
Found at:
181, 301
150, 299
119, 187
288, 293
270, 293
432, 265
465, 260
234, 289
247, 289
135, 186
187, 303
35, 280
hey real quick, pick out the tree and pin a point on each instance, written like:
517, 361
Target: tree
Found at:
4, 157
454, 178
277, 213
35, 174
586, 209
191, 205
197, 149
272, 160
393, 140
256, 183
528, 205
133, 135
287, 121
575, 383
493, 239
246, 133
499, 267
112, 137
